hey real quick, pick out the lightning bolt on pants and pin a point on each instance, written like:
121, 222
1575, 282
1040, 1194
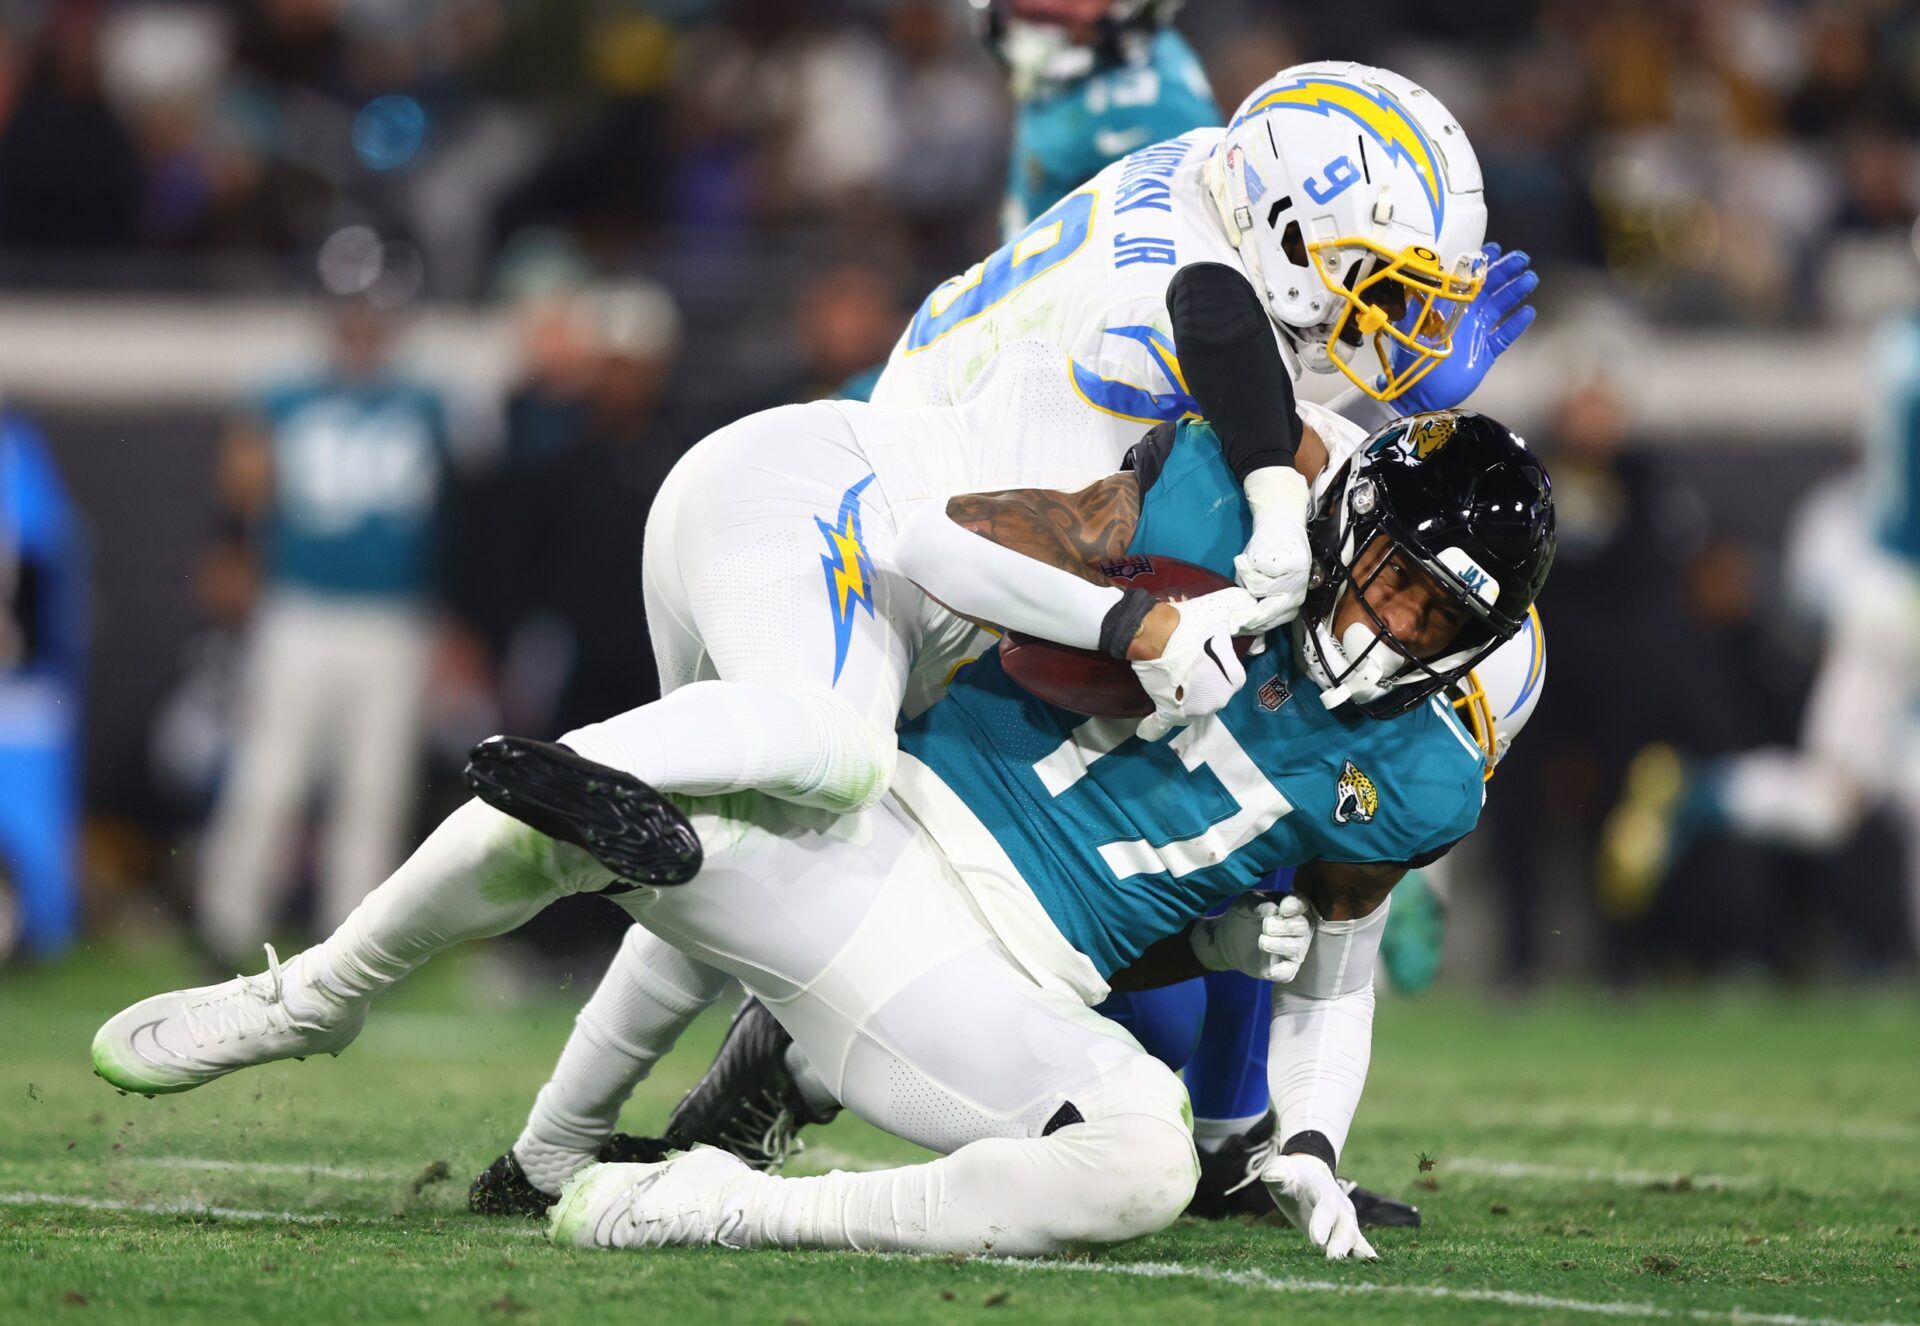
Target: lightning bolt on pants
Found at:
783, 634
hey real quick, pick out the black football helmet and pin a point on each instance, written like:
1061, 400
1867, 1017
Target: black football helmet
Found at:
1455, 494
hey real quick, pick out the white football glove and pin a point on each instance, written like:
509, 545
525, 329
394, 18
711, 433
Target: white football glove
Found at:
1278, 561
1307, 1194
1198, 671
1265, 938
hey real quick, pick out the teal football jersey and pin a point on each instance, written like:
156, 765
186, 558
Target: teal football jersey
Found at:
1065, 136
1124, 841
1893, 444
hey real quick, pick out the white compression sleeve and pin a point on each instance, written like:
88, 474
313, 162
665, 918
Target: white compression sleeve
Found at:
650, 994
802, 744
979, 578
1321, 1036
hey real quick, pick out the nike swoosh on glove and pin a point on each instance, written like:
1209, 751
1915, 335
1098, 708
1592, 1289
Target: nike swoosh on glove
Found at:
1198, 671
1307, 1194
1277, 565
1265, 938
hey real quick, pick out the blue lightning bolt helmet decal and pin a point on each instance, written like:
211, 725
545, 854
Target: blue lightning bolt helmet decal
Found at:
1381, 117
848, 569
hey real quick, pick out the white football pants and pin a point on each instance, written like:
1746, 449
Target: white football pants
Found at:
331, 698
1063, 1130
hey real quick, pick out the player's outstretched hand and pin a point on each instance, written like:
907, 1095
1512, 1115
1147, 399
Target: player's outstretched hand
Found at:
1197, 669
1278, 561
1265, 938
1307, 1194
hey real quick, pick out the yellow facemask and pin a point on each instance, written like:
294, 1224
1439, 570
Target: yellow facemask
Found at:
1438, 299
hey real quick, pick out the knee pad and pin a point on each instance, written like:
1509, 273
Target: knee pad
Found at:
1137, 1174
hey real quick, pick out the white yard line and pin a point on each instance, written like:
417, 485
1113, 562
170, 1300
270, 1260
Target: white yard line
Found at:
1494, 1167
265, 1167
1503, 1297
1258, 1280
1718, 1124
166, 1208
224, 1212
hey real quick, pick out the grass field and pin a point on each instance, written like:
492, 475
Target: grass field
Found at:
1707, 1156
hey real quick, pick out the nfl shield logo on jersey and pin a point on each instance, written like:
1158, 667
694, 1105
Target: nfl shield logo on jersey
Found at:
1356, 799
1274, 693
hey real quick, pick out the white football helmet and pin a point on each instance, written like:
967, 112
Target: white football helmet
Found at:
1498, 697
1356, 203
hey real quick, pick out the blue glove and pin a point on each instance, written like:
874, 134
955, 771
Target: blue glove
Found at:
1496, 319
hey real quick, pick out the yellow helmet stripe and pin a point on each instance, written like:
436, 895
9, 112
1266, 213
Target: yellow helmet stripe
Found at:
1383, 119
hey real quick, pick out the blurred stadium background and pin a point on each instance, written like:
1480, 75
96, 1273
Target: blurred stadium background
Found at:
585, 232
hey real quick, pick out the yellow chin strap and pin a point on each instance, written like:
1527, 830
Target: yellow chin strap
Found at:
1439, 296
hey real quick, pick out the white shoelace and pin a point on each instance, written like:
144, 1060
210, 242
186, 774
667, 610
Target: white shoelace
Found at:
1257, 1162
256, 1006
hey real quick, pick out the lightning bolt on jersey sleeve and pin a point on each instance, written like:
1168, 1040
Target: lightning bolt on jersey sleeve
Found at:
1122, 841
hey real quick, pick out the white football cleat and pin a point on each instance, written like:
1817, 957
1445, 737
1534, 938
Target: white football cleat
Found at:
180, 1040
696, 1197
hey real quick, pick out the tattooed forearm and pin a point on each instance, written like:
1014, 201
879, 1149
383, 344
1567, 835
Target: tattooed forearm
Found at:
1065, 530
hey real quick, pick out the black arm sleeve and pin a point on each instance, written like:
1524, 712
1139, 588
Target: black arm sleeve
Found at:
1232, 365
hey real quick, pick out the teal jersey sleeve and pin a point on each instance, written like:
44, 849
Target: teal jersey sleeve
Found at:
1124, 841
1066, 136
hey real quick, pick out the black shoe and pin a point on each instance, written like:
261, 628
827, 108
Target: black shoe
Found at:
748, 1103
503, 1188
1230, 1176
629, 828
1230, 1185
1376, 1210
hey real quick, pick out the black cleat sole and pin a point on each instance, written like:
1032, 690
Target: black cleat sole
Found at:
628, 827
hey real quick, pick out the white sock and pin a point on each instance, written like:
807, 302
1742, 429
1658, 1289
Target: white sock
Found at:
713, 737
651, 993
1212, 1134
1091, 1183
480, 873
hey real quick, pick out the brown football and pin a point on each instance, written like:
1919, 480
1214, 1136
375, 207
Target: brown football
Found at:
1088, 682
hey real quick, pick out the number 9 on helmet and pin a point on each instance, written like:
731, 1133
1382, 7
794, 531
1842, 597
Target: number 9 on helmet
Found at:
1356, 203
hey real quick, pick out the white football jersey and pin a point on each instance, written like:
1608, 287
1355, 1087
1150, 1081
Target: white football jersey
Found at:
1089, 277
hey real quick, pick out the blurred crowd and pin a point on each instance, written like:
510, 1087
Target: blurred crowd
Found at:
698, 208
1721, 160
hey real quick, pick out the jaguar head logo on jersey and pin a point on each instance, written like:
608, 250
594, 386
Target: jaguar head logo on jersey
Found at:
1357, 205
849, 571
1355, 796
